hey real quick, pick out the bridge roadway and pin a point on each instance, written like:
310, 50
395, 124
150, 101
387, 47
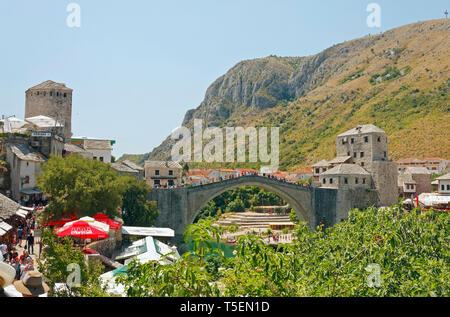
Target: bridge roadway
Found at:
314, 205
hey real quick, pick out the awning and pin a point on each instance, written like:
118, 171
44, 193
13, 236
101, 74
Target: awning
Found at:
21, 213
31, 191
153, 232
6, 227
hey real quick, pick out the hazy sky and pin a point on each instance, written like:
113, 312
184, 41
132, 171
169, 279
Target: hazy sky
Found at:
137, 66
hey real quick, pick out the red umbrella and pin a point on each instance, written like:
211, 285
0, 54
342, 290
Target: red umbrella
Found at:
60, 222
83, 230
113, 224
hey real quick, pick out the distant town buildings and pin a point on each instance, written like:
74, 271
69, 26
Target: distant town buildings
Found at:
162, 173
127, 167
434, 165
100, 149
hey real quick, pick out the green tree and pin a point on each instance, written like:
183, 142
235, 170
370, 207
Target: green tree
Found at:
293, 216
137, 210
411, 250
80, 186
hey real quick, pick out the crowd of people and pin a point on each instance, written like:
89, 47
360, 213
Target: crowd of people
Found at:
19, 270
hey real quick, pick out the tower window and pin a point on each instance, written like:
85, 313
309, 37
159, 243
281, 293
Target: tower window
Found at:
65, 95
379, 139
352, 141
366, 139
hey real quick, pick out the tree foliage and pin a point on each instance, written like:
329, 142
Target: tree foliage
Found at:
137, 210
58, 254
410, 249
80, 186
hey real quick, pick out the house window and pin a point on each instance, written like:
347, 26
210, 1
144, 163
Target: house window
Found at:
355, 155
362, 164
352, 141
379, 139
51, 93
317, 171
37, 93
356, 180
348, 153
57, 94
364, 180
346, 180
448, 187
170, 173
362, 154
443, 187
325, 181
27, 179
331, 181
366, 139
65, 95
385, 154
156, 172
157, 182
171, 183
95, 158
101, 158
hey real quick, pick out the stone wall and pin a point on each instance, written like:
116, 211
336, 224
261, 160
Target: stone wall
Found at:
385, 178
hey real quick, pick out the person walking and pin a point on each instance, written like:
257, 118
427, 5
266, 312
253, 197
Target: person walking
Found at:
30, 242
19, 236
4, 251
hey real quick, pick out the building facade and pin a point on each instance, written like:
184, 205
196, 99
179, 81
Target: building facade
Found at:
163, 173
25, 164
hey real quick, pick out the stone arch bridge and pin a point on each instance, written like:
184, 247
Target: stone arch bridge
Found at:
180, 206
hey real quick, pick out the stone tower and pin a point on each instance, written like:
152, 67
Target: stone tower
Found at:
367, 145
53, 100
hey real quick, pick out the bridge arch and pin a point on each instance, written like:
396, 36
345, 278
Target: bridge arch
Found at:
298, 197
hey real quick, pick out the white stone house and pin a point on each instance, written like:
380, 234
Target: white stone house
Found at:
25, 164
444, 184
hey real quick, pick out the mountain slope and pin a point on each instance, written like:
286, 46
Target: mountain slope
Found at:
398, 80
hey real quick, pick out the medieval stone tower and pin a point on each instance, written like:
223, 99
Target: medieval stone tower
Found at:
367, 146
52, 100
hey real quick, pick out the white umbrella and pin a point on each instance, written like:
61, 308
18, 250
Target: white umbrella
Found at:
92, 222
